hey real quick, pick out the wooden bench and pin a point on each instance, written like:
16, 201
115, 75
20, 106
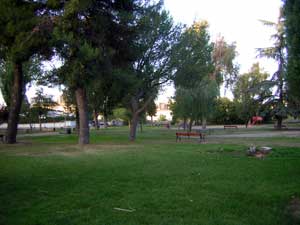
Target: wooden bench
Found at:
230, 126
283, 126
188, 135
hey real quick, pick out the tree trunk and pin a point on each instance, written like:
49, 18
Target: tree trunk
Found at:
141, 127
77, 119
190, 125
204, 123
105, 119
96, 120
84, 133
136, 111
184, 123
40, 122
279, 123
133, 126
15, 104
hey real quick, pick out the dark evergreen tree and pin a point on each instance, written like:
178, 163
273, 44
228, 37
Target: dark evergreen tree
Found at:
25, 28
91, 37
292, 30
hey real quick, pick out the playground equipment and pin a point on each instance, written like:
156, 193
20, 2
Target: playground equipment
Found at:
256, 119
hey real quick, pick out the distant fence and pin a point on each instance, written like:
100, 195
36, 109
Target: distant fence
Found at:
71, 124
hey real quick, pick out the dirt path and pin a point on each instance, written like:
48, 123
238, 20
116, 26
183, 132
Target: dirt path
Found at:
38, 134
259, 134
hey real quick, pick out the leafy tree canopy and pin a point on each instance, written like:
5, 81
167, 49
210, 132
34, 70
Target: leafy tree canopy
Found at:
292, 31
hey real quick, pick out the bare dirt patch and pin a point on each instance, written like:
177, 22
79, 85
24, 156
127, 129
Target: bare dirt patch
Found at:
72, 150
260, 134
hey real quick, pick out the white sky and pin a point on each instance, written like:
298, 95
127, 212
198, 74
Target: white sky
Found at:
236, 20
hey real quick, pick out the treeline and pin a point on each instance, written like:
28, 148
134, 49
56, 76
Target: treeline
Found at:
208, 65
116, 54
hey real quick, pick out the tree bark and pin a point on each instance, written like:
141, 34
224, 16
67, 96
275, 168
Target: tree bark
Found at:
81, 99
15, 104
40, 123
105, 120
134, 123
96, 120
77, 119
279, 123
141, 127
204, 121
190, 125
184, 124
136, 111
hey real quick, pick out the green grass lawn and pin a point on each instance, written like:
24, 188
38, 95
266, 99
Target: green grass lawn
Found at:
51, 180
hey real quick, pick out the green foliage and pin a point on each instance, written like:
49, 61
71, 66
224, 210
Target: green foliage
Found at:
225, 112
279, 101
250, 91
122, 113
89, 37
27, 114
292, 31
193, 55
42, 103
151, 108
6, 80
155, 36
105, 93
224, 54
195, 103
32, 70
196, 90
68, 96
162, 118
25, 30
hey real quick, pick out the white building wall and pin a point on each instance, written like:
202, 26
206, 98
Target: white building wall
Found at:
162, 109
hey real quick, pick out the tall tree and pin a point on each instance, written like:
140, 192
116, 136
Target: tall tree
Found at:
156, 34
24, 31
225, 68
292, 30
196, 103
195, 82
88, 35
250, 91
193, 55
278, 53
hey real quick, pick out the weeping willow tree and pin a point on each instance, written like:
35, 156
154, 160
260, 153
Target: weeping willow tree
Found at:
195, 104
202, 67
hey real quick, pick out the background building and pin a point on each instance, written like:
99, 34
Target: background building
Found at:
162, 110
